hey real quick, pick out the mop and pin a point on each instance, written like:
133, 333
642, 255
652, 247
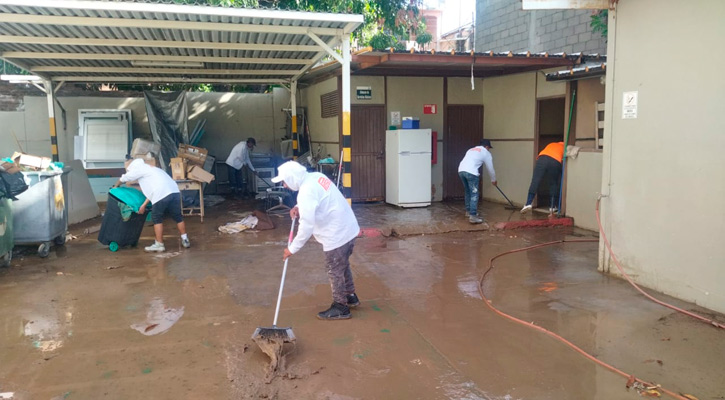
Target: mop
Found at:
271, 339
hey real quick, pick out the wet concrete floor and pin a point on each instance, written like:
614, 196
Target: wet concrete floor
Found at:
87, 323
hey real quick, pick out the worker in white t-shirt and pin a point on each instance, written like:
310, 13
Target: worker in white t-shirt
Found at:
163, 193
238, 159
324, 213
468, 172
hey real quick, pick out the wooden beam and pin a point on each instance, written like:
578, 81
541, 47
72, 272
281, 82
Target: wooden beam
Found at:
177, 71
177, 44
163, 79
143, 57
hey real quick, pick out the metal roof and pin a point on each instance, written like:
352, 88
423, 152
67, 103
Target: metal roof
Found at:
451, 64
126, 42
589, 69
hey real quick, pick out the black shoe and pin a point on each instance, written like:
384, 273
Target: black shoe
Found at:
336, 311
352, 300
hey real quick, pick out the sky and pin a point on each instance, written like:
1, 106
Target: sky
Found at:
453, 12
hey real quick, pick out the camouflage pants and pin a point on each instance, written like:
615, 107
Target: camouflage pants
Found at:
339, 273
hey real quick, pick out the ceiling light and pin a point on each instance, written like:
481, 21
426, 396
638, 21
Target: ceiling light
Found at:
142, 63
20, 78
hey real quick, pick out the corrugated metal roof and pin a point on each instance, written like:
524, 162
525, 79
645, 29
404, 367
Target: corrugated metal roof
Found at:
102, 41
589, 69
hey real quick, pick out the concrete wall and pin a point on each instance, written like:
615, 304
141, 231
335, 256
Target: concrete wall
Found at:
509, 121
408, 95
584, 183
590, 91
502, 26
664, 172
231, 117
324, 131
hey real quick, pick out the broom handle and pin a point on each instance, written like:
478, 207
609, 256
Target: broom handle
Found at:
504, 195
284, 273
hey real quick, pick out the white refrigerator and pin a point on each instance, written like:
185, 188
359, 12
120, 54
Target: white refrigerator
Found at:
408, 167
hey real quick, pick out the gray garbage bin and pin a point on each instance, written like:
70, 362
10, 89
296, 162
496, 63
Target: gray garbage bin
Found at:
40, 215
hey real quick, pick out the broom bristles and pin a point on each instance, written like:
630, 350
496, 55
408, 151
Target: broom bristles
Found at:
274, 333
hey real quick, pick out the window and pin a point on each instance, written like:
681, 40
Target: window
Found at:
329, 104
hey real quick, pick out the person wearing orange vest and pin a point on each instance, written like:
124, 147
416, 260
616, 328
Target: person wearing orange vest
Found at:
548, 164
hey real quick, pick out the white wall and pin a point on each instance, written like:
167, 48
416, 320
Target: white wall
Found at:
664, 172
584, 183
325, 130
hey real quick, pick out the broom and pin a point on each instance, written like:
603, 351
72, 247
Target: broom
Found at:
274, 333
511, 206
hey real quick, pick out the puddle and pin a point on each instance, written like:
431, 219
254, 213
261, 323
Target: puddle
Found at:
159, 318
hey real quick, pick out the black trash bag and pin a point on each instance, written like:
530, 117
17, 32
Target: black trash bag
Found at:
12, 185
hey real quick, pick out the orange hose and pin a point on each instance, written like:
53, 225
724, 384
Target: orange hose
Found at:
660, 302
552, 334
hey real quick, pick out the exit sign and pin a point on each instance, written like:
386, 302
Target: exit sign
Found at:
430, 109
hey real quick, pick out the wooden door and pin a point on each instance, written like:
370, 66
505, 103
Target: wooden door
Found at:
367, 128
464, 129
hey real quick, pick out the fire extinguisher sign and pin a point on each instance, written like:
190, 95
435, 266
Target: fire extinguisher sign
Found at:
430, 109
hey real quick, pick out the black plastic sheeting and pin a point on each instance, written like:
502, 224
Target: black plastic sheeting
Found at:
167, 119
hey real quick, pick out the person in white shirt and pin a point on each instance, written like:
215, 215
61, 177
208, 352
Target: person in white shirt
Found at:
238, 158
163, 193
468, 172
324, 213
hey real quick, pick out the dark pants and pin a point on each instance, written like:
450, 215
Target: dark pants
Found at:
236, 179
470, 184
339, 273
171, 205
549, 168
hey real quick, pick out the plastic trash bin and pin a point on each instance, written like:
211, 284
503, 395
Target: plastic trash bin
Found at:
40, 214
115, 231
6, 232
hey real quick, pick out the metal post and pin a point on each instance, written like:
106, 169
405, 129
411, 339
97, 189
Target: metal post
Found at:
346, 138
50, 95
295, 137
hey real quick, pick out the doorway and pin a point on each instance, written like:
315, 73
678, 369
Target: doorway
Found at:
367, 151
464, 129
549, 129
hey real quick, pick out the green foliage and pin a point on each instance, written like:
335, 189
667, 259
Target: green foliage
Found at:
382, 41
599, 22
424, 38
9, 69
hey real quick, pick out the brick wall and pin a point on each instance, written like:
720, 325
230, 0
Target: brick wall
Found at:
501, 25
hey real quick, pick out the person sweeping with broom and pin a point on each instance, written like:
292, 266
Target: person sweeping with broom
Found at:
323, 212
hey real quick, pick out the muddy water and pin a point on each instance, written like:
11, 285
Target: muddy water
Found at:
67, 322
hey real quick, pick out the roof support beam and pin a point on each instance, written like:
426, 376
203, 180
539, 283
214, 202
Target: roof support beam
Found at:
143, 57
152, 43
327, 48
318, 57
163, 24
172, 71
163, 79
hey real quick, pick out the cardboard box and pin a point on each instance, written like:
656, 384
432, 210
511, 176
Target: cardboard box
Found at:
141, 147
194, 155
31, 161
178, 168
196, 173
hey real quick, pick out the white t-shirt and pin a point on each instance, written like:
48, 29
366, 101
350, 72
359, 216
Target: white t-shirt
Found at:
240, 156
155, 183
473, 160
324, 213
